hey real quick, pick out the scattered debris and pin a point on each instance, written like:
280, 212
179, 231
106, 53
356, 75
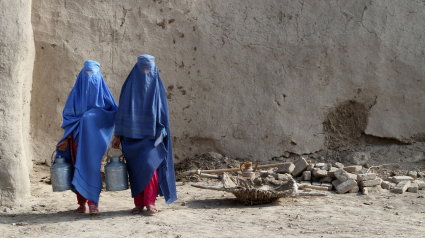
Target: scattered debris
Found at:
301, 174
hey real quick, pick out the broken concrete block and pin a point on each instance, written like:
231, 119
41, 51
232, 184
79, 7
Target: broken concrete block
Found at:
331, 172
353, 168
363, 171
326, 180
402, 186
335, 183
370, 183
364, 177
421, 184
310, 167
346, 186
388, 185
367, 190
286, 168
306, 175
398, 179
356, 189
413, 188
320, 173
354, 176
322, 166
342, 175
283, 177
300, 165
339, 165
413, 174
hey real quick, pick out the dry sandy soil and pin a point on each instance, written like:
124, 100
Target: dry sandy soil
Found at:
205, 213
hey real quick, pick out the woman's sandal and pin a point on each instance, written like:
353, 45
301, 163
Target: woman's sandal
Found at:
81, 208
93, 210
137, 210
152, 210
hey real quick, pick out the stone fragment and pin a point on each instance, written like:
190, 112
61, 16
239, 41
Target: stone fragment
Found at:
363, 171
356, 189
286, 168
322, 166
326, 180
300, 165
354, 176
316, 184
283, 177
342, 175
339, 165
310, 167
6, 210
398, 179
320, 173
388, 185
353, 168
306, 175
402, 186
389, 179
413, 174
367, 190
413, 188
421, 184
331, 172
370, 183
358, 158
335, 183
346, 186
364, 177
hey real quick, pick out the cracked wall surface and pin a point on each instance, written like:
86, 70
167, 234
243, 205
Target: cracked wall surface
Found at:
250, 79
16, 65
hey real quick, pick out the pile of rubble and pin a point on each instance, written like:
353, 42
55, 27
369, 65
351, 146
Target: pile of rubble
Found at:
343, 179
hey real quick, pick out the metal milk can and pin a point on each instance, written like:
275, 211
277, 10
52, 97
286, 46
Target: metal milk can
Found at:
61, 174
116, 177
248, 172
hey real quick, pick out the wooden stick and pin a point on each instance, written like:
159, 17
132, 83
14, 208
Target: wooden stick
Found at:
214, 171
313, 187
310, 194
207, 187
211, 176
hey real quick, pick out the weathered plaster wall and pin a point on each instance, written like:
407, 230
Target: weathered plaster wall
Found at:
16, 65
252, 79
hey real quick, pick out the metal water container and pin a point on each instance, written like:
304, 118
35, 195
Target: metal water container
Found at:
116, 177
61, 174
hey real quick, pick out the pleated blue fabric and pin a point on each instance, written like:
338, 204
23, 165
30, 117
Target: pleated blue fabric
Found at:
89, 114
142, 116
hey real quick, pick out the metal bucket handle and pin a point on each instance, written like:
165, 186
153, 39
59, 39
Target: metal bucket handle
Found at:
51, 157
108, 158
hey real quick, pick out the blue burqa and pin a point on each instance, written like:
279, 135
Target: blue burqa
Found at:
89, 114
142, 117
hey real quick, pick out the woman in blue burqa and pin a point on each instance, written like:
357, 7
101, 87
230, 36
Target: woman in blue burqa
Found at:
142, 127
88, 121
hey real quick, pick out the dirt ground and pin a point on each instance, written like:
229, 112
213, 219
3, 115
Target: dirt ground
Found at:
206, 213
